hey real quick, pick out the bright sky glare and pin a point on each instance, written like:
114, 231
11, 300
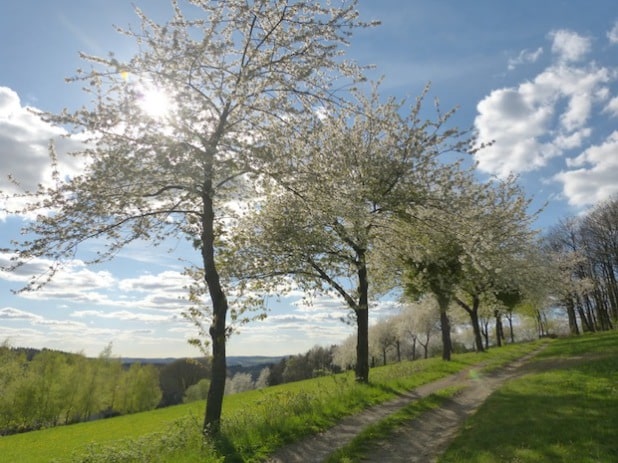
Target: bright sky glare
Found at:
539, 78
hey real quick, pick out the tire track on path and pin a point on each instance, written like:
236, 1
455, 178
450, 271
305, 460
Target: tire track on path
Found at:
423, 439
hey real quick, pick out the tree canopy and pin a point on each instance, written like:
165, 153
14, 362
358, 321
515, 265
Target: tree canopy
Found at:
172, 135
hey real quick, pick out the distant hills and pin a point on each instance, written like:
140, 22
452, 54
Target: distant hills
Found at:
232, 361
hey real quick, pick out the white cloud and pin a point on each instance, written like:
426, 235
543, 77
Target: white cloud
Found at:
593, 177
538, 120
525, 56
73, 282
573, 140
569, 46
516, 120
612, 107
612, 34
24, 144
167, 280
123, 315
76, 283
9, 313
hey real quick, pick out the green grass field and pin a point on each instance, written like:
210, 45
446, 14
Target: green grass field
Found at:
258, 422
565, 410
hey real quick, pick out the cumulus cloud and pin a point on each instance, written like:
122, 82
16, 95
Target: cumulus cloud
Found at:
76, 283
569, 46
550, 116
612, 107
612, 34
516, 121
24, 144
593, 174
525, 56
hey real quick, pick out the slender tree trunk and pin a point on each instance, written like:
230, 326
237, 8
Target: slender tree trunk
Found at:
601, 302
541, 324
398, 346
473, 312
586, 328
583, 304
445, 324
509, 317
499, 328
612, 290
214, 404
570, 308
362, 320
425, 350
485, 331
362, 345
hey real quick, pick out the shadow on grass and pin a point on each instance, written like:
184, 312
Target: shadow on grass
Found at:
386, 388
225, 447
564, 414
587, 344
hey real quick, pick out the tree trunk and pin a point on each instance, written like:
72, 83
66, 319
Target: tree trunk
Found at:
473, 312
594, 322
570, 307
499, 328
362, 321
586, 323
214, 404
362, 345
485, 332
445, 324
425, 350
398, 347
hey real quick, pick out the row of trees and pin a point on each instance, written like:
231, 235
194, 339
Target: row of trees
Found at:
278, 179
585, 255
235, 72
56, 388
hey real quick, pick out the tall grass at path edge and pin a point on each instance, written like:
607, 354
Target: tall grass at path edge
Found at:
254, 423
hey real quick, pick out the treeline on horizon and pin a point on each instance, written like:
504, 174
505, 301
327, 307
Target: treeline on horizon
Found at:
40, 389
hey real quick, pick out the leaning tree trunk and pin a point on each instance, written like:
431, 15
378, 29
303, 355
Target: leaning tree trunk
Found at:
473, 312
214, 404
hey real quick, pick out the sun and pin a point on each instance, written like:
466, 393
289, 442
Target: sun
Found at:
154, 101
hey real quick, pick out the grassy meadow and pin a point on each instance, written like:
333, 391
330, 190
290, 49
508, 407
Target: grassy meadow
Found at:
544, 416
564, 410
255, 423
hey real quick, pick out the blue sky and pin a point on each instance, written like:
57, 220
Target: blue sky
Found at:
539, 78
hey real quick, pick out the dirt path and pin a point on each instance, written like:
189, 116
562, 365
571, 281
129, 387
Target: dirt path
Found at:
422, 439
